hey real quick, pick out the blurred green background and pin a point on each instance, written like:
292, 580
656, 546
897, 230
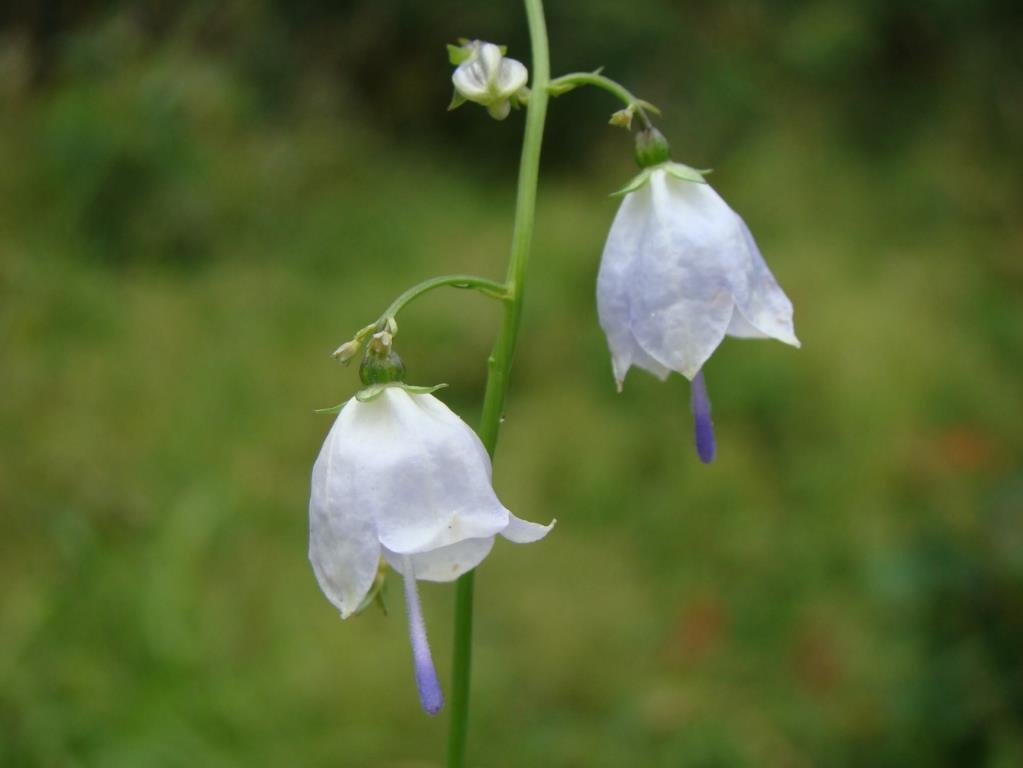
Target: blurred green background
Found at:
199, 201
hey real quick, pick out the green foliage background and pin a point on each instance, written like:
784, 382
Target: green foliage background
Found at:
199, 201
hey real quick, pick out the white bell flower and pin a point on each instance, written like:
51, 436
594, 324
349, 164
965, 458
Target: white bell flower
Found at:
400, 476
484, 75
680, 271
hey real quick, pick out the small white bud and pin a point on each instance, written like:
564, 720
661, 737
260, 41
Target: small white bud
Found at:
347, 351
623, 118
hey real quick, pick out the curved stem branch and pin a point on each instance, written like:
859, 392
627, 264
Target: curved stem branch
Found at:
569, 82
487, 287
500, 361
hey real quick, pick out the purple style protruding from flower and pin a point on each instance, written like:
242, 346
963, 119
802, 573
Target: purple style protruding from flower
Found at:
426, 675
703, 427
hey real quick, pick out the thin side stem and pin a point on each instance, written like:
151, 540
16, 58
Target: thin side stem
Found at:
483, 285
568, 82
500, 361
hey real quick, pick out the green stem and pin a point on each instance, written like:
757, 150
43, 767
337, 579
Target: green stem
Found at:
500, 361
481, 284
566, 83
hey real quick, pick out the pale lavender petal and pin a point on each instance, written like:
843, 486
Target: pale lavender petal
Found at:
620, 253
525, 532
343, 546
703, 427
690, 271
444, 563
427, 474
426, 674
765, 310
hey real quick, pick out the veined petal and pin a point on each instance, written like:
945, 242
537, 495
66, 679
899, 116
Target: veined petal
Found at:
692, 269
613, 309
522, 531
470, 81
425, 474
511, 76
343, 546
489, 59
445, 563
765, 312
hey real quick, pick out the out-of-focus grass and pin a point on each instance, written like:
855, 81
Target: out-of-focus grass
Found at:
842, 587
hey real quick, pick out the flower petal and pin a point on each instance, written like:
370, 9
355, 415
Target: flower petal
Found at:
489, 59
343, 546
620, 253
445, 563
765, 311
425, 474
692, 268
470, 81
512, 75
522, 531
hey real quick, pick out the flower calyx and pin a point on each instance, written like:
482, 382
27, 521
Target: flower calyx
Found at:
651, 148
380, 363
370, 393
381, 367
653, 154
484, 75
678, 170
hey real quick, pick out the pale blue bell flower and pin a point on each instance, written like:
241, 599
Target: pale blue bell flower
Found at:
402, 477
680, 272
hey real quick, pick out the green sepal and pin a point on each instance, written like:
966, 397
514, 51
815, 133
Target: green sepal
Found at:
373, 391
457, 54
461, 53
457, 100
637, 183
646, 106
377, 592
685, 173
420, 390
333, 409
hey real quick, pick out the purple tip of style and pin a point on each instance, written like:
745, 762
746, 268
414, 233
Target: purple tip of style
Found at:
426, 674
703, 427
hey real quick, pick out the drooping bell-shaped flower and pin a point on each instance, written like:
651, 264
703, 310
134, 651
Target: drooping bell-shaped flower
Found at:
484, 75
401, 477
679, 273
